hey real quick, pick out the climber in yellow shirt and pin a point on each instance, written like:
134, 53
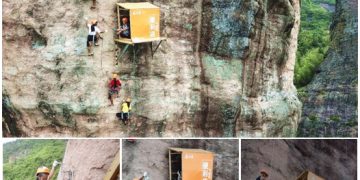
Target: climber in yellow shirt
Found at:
125, 110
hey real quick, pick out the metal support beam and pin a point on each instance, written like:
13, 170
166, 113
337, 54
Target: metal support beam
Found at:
118, 17
134, 49
153, 51
134, 53
123, 52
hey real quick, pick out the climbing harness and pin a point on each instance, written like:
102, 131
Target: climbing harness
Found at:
101, 51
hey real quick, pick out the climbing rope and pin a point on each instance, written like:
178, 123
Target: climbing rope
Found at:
102, 41
346, 147
272, 148
101, 52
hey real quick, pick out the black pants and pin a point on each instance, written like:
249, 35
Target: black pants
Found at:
123, 116
91, 39
124, 36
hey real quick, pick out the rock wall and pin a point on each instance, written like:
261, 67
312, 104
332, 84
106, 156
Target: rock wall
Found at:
88, 159
10, 118
226, 69
287, 159
330, 100
150, 155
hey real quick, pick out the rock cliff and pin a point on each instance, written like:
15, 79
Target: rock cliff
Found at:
226, 69
287, 159
330, 100
152, 156
88, 159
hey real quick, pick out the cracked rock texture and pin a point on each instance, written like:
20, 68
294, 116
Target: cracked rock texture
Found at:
330, 100
226, 69
88, 159
151, 155
287, 159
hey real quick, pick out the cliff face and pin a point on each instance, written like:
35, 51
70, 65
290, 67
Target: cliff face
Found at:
287, 159
88, 159
226, 69
152, 156
330, 100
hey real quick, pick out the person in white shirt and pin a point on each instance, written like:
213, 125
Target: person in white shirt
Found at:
92, 36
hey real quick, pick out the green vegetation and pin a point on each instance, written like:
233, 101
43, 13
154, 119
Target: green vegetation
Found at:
313, 117
352, 122
314, 39
332, 2
302, 93
335, 118
23, 157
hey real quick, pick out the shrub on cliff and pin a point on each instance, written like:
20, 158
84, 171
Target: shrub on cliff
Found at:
314, 40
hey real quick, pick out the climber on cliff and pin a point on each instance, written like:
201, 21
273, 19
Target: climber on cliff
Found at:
125, 110
114, 88
43, 172
124, 30
94, 34
263, 175
128, 102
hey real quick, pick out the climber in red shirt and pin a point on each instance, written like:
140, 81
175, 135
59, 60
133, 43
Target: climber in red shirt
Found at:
114, 88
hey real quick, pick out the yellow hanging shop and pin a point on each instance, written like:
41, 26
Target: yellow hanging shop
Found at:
190, 164
144, 19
